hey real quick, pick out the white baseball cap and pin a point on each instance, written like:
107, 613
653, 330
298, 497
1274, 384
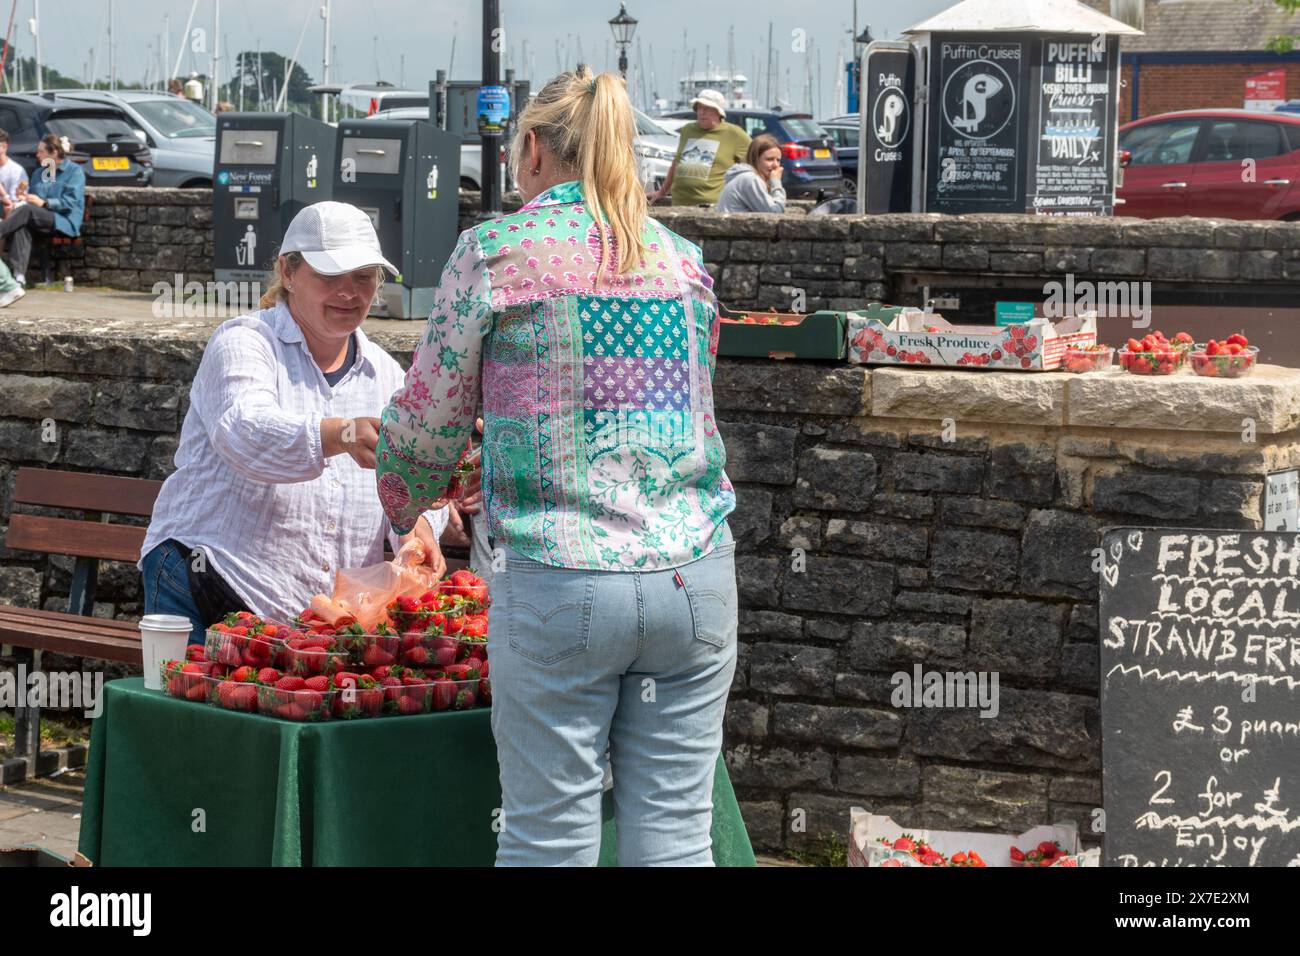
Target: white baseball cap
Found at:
334, 237
712, 98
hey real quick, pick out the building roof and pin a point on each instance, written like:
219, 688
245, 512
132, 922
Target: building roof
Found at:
1019, 16
1194, 25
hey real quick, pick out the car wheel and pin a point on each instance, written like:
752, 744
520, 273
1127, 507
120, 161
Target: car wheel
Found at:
850, 186
467, 183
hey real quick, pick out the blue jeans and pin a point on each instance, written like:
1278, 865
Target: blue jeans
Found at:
641, 662
167, 588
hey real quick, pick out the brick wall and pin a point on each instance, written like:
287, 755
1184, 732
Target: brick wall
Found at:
1165, 87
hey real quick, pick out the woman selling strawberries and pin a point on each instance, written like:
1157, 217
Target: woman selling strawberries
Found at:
272, 492
614, 596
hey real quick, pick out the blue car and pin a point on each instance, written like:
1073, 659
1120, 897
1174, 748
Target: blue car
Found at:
845, 130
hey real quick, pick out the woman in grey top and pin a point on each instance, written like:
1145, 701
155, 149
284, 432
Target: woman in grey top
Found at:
755, 184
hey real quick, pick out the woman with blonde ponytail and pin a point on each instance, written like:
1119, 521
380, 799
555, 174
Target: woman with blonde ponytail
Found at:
587, 332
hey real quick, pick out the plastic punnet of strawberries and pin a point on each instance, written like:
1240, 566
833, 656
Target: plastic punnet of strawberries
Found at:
1231, 358
1047, 853
1155, 354
243, 638
927, 855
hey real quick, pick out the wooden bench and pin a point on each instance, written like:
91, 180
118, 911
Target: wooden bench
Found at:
56, 239
88, 540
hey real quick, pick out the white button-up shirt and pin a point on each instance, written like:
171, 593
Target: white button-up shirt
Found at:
252, 486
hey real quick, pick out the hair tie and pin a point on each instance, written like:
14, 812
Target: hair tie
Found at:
591, 87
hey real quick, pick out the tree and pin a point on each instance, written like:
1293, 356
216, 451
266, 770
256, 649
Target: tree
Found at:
1287, 41
273, 66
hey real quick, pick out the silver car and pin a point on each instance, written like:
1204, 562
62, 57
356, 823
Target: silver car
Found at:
181, 135
655, 149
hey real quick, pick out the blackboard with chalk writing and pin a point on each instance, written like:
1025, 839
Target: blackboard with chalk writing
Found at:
1200, 697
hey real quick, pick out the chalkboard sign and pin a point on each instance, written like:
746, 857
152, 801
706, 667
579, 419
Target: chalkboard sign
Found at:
888, 126
1075, 126
1200, 697
976, 159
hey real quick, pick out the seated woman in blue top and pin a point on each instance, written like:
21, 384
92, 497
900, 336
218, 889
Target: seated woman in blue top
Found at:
55, 202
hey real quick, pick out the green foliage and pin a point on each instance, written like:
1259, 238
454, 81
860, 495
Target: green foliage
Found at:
1285, 43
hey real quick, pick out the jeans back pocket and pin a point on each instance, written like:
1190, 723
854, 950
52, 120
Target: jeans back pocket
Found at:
710, 586
548, 610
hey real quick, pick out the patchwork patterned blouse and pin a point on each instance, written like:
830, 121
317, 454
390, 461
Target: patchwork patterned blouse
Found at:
600, 448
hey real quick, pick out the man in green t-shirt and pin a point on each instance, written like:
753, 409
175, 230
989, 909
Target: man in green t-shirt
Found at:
707, 149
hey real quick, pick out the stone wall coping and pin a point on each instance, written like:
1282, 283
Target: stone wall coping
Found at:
1270, 398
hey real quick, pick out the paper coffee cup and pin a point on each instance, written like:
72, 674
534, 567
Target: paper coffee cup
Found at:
162, 638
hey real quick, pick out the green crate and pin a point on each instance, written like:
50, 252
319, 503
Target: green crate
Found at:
820, 335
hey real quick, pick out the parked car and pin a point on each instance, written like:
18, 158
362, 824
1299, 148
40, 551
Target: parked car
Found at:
105, 143
673, 124
811, 170
181, 135
845, 131
655, 148
471, 152
1222, 163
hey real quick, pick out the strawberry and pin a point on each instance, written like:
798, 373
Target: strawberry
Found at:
229, 654
462, 672
415, 657
375, 656
905, 842
268, 675
444, 693
290, 682
191, 667
244, 697
1184, 338
345, 679
242, 674
319, 683
195, 652
379, 673
392, 688
1236, 338
1017, 856
485, 691
1212, 347
409, 705
197, 691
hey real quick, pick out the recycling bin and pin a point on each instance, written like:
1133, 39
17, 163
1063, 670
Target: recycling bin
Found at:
405, 174
269, 166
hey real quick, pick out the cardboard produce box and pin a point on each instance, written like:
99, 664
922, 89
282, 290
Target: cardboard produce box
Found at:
26, 856
781, 335
896, 335
867, 829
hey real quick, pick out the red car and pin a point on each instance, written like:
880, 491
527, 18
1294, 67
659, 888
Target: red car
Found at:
1218, 163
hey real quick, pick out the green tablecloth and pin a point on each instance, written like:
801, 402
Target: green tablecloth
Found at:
175, 783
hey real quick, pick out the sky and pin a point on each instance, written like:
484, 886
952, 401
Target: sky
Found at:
406, 40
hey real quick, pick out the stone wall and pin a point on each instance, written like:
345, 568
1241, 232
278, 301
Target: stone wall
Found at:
868, 543
136, 237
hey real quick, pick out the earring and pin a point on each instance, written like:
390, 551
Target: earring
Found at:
537, 171
288, 288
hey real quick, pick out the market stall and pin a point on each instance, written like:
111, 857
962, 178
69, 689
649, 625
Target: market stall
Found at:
172, 783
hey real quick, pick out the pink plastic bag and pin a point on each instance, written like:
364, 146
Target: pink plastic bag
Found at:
364, 593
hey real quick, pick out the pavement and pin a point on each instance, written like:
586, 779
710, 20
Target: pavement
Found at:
44, 812
94, 306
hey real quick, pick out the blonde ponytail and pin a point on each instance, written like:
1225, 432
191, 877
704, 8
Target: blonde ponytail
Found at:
586, 122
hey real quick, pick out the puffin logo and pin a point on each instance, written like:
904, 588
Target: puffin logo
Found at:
892, 118
978, 99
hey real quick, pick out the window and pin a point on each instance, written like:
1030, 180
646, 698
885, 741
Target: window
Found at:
9, 121
645, 126
755, 126
1235, 140
846, 137
803, 128
1161, 144
176, 118
97, 127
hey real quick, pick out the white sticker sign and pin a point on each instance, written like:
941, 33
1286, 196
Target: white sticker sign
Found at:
1282, 501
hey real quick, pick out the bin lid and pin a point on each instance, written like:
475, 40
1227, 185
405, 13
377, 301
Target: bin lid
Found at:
1023, 16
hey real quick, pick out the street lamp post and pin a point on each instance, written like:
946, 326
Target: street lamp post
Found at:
623, 26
